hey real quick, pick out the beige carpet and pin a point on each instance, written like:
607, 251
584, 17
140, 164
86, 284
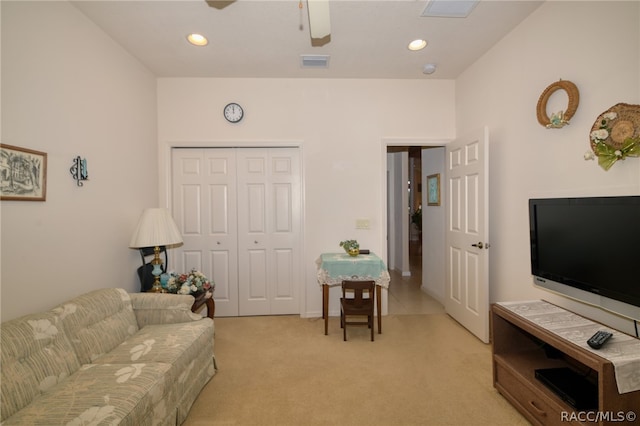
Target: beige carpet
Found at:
282, 370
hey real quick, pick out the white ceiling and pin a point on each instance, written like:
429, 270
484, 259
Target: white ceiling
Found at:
265, 38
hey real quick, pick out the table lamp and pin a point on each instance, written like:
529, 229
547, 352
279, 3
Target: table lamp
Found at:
156, 228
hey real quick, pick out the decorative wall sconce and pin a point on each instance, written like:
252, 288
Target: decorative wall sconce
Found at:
79, 170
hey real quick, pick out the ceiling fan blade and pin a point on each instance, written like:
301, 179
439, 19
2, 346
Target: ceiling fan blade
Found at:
319, 21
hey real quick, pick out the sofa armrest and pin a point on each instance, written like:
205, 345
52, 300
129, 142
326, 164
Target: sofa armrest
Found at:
159, 308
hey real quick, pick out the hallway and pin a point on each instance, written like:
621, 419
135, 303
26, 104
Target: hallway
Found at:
405, 295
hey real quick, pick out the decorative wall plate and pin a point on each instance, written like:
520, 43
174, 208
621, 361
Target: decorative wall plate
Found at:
561, 118
615, 134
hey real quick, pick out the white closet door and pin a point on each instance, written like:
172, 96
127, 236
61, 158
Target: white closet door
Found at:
239, 210
269, 209
204, 208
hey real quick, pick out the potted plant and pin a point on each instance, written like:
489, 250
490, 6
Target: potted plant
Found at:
352, 247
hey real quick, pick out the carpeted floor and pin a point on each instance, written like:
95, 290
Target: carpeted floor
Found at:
282, 370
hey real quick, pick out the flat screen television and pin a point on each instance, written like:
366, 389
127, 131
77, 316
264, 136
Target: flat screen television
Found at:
588, 249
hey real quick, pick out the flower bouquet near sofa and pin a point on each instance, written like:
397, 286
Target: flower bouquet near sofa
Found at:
194, 283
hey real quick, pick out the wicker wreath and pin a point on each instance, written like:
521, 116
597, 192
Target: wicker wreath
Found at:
563, 119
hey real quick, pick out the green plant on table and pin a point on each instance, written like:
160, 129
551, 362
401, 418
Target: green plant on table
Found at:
349, 245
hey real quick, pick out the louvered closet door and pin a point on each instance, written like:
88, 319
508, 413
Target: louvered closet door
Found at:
269, 209
204, 208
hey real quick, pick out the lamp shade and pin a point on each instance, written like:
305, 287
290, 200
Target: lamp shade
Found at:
155, 228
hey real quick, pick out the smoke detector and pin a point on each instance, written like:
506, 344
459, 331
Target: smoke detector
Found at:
429, 68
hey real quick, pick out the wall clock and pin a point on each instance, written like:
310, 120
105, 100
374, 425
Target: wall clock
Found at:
233, 112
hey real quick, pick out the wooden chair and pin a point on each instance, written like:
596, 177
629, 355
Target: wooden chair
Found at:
358, 305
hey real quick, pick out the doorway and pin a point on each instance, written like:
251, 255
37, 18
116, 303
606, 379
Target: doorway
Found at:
415, 231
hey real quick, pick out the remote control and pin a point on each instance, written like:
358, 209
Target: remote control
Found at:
597, 340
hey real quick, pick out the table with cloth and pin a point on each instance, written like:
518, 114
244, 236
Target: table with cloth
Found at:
333, 268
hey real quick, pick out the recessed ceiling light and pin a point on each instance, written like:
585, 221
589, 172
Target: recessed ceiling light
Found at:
417, 44
197, 39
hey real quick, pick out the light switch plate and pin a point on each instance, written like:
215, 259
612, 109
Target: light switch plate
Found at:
362, 224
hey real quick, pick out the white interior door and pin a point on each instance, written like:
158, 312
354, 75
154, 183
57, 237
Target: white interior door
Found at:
467, 257
269, 205
239, 213
205, 210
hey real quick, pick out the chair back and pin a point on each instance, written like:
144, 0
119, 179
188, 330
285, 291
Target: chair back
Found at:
359, 288
358, 305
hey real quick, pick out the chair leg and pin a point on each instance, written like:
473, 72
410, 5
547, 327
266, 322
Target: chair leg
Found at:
344, 332
371, 325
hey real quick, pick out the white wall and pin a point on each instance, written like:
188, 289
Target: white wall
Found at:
342, 127
596, 45
69, 90
398, 213
434, 226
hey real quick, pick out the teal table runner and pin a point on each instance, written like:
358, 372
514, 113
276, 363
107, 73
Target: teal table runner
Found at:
333, 268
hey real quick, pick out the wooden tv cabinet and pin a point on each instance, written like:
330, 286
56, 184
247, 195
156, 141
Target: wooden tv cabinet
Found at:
521, 346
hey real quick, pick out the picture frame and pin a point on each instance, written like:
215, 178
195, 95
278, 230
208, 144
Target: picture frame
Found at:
433, 190
23, 174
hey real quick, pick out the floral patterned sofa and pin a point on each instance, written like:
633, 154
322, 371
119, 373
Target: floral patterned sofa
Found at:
107, 357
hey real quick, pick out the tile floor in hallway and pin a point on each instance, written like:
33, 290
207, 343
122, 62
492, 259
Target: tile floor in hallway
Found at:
405, 295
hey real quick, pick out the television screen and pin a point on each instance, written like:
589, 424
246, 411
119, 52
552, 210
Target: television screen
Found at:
591, 244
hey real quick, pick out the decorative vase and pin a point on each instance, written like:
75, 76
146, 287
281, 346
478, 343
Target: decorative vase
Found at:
353, 252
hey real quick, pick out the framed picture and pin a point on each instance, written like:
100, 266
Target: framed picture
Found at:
433, 190
23, 174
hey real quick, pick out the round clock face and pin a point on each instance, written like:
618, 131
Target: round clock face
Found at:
233, 112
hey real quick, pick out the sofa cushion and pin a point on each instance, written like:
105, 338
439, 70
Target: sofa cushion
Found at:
176, 344
162, 308
98, 321
35, 354
131, 394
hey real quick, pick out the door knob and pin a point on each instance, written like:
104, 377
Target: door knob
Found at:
479, 245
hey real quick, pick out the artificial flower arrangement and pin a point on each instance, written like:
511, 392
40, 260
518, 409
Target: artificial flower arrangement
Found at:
195, 282
615, 135
350, 246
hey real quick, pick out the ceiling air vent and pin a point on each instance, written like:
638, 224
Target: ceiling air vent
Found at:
449, 8
314, 61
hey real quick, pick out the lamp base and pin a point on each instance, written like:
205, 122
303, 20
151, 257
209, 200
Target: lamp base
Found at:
157, 271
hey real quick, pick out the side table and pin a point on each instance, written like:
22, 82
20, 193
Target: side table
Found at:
202, 300
333, 268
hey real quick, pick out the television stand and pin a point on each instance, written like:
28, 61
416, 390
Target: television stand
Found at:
521, 347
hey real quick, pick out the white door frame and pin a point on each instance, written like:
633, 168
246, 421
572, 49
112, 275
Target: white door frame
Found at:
164, 184
385, 143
